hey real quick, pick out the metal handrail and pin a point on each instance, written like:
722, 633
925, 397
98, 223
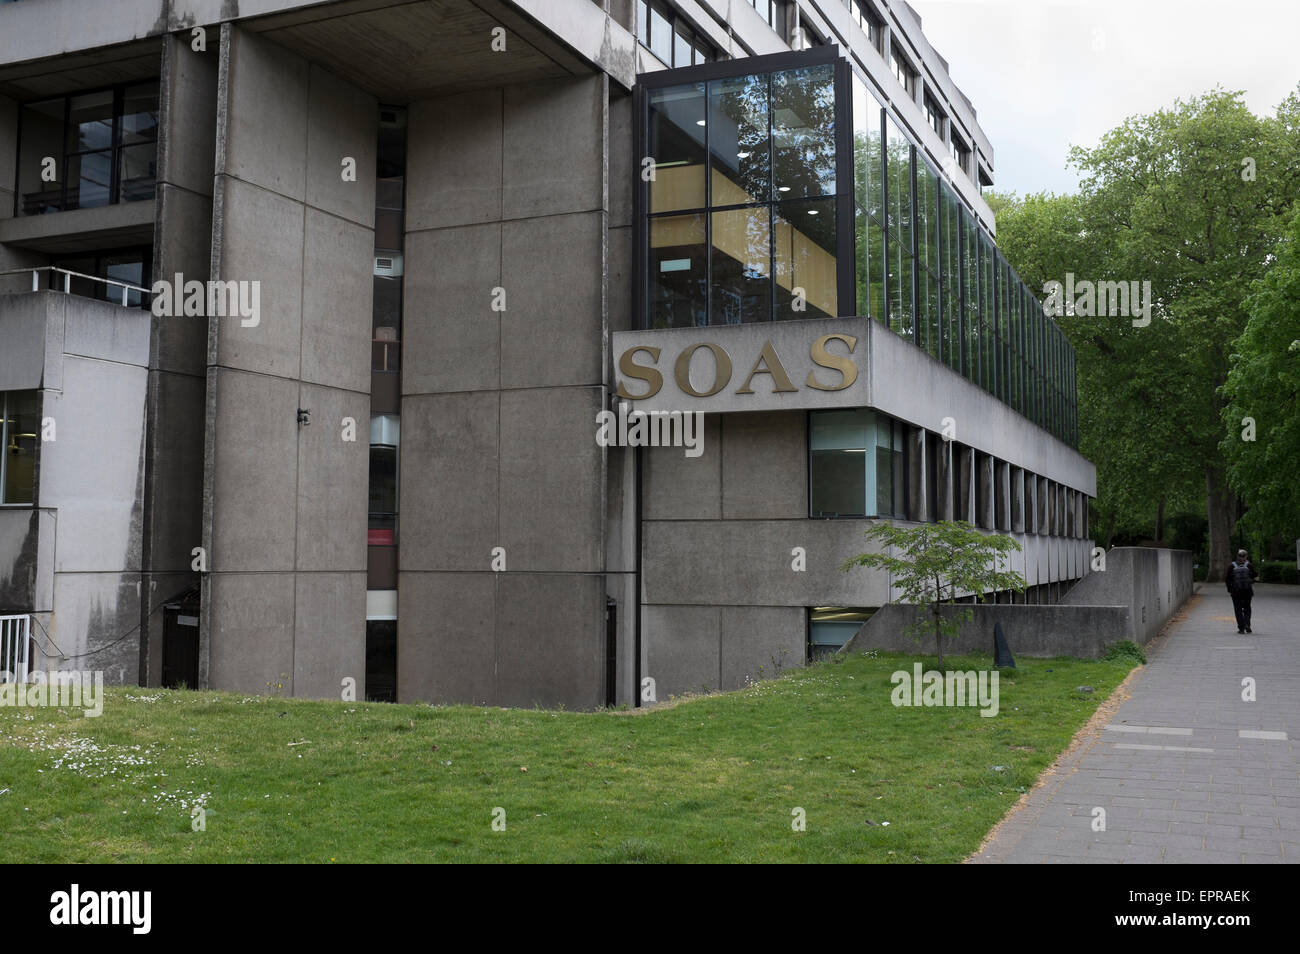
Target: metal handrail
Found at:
68, 275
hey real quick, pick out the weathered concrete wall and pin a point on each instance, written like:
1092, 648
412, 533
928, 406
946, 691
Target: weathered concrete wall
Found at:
499, 406
1151, 582
1036, 631
285, 509
79, 550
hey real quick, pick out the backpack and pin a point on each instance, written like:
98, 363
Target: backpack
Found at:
1239, 577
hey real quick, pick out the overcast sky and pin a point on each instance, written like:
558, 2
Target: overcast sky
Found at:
1048, 74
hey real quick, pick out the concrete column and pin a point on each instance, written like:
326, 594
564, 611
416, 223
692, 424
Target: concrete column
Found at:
944, 477
1017, 499
1002, 488
987, 510
965, 484
285, 499
918, 475
1043, 527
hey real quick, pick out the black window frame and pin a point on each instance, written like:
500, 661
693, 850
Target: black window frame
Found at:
726, 69
116, 148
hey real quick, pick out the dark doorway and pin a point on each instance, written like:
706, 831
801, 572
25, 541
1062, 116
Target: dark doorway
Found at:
180, 664
381, 660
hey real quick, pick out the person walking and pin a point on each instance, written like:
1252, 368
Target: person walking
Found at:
1241, 578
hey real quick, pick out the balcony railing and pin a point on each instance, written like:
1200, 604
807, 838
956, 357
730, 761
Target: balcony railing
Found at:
68, 276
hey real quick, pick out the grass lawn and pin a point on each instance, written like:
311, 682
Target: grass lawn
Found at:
713, 778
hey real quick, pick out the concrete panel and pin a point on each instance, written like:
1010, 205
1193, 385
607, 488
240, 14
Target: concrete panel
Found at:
342, 122
764, 465
94, 611
184, 247
760, 642
446, 637
449, 495
620, 269
337, 292
551, 493
93, 472
551, 330
329, 634
682, 646
19, 538
253, 642
177, 469
451, 337
550, 640
26, 317
677, 487
748, 563
105, 332
624, 168
265, 104
188, 115
261, 239
544, 173
333, 481
454, 161
254, 479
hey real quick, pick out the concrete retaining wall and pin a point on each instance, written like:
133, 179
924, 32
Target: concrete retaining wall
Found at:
1038, 631
1151, 583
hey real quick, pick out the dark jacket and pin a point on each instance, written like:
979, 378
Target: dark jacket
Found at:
1240, 577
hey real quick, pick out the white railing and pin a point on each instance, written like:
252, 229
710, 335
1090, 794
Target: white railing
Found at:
14, 636
68, 276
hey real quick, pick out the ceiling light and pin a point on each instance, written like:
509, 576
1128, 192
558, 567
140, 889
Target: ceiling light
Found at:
742, 155
782, 188
699, 122
812, 211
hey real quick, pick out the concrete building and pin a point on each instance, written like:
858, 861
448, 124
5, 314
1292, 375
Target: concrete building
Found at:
310, 310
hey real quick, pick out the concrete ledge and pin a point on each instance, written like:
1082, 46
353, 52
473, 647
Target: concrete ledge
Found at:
1035, 631
126, 223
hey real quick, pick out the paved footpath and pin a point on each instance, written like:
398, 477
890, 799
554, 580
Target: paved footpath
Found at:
1185, 769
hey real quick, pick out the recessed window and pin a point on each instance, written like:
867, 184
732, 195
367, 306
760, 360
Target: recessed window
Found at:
89, 150
934, 116
19, 437
830, 627
855, 464
903, 70
671, 37
772, 11
961, 153
866, 18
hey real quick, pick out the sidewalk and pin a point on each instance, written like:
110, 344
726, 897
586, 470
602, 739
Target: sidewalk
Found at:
1186, 770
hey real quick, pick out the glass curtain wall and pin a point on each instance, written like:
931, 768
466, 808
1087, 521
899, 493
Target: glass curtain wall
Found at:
742, 204
742, 225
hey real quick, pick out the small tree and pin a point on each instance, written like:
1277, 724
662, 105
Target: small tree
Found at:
931, 563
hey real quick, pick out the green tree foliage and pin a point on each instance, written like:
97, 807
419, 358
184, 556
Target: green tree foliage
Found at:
1191, 199
931, 564
1263, 384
